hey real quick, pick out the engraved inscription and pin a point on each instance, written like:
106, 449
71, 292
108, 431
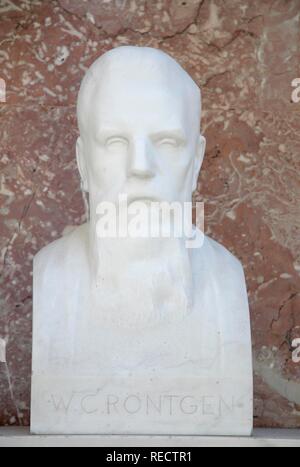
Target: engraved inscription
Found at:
97, 402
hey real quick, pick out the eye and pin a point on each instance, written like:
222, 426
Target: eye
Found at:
116, 142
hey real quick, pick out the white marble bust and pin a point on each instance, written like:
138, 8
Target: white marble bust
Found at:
139, 336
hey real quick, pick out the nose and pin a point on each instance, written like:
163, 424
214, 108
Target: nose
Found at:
141, 162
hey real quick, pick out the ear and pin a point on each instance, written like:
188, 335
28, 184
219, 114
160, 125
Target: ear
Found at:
200, 151
81, 164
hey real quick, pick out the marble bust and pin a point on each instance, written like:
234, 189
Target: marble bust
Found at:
139, 336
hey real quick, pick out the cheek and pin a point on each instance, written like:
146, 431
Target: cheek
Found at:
105, 168
177, 180
180, 168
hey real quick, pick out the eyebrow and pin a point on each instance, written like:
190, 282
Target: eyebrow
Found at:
108, 132
177, 134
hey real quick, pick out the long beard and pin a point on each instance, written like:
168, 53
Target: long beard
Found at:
140, 283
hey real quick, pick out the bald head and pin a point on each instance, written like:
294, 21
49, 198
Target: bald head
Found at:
141, 69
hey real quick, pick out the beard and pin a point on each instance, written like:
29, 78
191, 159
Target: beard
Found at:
140, 283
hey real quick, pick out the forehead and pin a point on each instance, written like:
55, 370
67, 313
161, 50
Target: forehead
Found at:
137, 105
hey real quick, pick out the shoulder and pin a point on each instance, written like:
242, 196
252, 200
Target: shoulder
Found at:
226, 275
215, 261
57, 274
67, 249
221, 259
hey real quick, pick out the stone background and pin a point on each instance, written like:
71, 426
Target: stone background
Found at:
244, 54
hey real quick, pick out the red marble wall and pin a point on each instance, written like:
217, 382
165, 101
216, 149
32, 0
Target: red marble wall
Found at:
244, 54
